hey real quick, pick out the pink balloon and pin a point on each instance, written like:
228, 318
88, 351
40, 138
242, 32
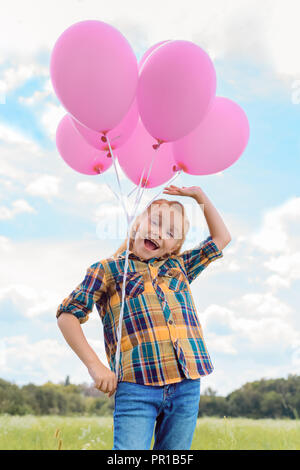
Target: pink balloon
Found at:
137, 154
149, 51
216, 143
77, 153
177, 85
94, 74
117, 136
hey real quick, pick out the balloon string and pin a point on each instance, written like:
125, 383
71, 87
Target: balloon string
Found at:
129, 224
137, 201
130, 219
132, 191
118, 179
119, 329
110, 189
152, 161
168, 182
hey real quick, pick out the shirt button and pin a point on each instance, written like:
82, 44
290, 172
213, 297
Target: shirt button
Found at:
170, 322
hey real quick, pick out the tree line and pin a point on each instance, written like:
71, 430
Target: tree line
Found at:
272, 398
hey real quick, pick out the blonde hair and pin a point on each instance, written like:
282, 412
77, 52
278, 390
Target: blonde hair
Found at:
136, 224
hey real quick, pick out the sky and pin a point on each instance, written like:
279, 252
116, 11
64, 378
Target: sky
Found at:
54, 221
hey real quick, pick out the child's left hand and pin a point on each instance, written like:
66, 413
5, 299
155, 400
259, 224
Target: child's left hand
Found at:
192, 191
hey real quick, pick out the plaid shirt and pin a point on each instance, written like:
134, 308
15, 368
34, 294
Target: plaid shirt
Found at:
162, 339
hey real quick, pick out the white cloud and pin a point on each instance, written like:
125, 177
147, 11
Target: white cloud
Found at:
287, 266
227, 30
95, 192
222, 344
279, 237
6, 187
260, 304
249, 370
10, 136
265, 333
25, 361
51, 118
260, 320
275, 282
29, 301
5, 244
38, 360
282, 38
16, 75
17, 207
253, 325
38, 95
37, 275
233, 266
275, 234
45, 186
217, 315
79, 193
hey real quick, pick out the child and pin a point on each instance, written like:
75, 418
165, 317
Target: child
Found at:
162, 353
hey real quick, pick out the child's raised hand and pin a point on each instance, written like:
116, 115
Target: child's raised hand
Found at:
192, 191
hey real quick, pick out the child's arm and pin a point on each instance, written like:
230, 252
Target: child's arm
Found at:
73, 311
217, 229
196, 259
105, 380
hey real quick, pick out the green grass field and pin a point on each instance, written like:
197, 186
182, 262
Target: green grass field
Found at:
68, 433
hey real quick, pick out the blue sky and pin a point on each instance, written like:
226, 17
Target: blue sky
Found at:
248, 302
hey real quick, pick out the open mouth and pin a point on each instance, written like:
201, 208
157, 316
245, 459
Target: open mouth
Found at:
151, 245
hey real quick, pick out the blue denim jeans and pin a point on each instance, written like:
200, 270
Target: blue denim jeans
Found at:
170, 411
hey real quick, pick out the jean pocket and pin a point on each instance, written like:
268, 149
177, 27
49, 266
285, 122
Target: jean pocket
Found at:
131, 389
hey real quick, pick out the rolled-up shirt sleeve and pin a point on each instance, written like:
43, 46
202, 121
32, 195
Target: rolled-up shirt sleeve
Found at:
198, 258
81, 300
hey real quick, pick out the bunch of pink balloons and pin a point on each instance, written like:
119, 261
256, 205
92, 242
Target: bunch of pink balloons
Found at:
160, 115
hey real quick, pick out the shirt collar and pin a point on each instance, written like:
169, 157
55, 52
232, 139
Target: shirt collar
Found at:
133, 256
